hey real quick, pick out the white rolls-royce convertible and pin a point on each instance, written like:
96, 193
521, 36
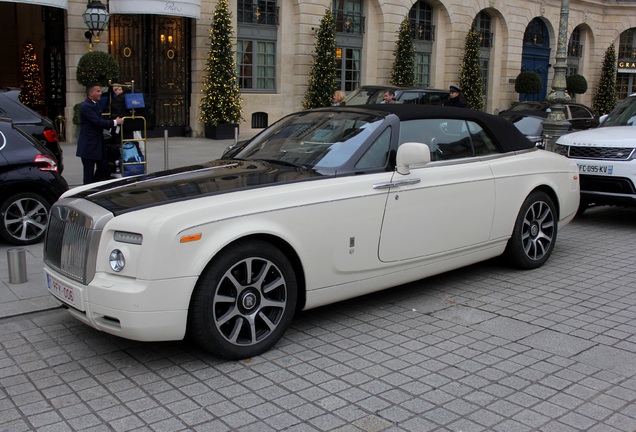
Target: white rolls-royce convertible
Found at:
322, 206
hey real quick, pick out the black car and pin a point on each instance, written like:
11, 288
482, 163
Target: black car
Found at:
371, 94
529, 116
29, 184
31, 122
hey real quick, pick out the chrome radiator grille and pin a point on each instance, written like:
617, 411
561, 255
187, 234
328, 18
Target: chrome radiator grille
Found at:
70, 243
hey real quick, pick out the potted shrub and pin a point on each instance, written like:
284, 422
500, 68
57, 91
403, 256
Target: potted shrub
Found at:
575, 84
528, 82
97, 67
221, 103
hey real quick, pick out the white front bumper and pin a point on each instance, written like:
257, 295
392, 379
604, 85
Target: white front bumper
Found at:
134, 309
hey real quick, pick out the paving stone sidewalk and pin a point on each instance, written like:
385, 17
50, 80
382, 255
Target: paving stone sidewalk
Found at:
484, 348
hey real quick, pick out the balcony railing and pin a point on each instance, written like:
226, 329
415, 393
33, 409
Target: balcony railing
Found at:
532, 38
486, 40
423, 31
349, 22
254, 14
575, 50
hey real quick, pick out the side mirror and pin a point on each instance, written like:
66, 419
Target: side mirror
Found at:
412, 153
602, 119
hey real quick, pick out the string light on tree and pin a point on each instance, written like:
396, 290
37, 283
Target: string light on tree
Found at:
32, 94
605, 99
322, 80
403, 70
470, 73
221, 102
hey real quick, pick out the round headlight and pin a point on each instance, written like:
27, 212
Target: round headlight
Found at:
117, 260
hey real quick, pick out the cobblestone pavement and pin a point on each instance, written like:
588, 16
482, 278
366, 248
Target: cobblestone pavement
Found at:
484, 348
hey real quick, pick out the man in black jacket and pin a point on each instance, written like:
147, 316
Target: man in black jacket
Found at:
90, 143
456, 98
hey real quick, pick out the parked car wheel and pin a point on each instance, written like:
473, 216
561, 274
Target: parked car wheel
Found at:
24, 218
244, 301
534, 234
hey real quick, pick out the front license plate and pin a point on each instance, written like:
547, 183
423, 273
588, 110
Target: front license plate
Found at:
61, 291
596, 169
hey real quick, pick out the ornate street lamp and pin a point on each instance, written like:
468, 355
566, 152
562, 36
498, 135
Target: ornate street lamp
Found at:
96, 19
556, 124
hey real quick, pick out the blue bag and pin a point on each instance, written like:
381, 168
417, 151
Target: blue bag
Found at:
130, 152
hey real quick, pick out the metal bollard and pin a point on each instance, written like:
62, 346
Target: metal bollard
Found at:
16, 258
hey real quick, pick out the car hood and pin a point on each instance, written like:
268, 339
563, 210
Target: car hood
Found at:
211, 178
611, 136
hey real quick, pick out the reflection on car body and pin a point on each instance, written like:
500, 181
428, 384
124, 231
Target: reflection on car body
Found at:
322, 206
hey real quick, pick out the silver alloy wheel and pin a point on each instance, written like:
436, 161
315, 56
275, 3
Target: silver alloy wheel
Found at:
538, 230
25, 219
249, 301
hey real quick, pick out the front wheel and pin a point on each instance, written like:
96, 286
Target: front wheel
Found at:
24, 218
534, 234
244, 301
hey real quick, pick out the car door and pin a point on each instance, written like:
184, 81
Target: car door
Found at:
581, 118
444, 206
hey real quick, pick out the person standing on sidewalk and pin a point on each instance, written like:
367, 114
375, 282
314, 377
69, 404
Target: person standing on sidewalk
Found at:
90, 143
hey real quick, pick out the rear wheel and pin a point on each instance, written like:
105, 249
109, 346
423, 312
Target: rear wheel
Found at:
24, 218
244, 301
534, 234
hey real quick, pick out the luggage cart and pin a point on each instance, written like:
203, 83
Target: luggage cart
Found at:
133, 146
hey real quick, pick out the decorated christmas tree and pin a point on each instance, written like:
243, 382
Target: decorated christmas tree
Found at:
605, 99
32, 94
221, 103
470, 72
322, 80
403, 70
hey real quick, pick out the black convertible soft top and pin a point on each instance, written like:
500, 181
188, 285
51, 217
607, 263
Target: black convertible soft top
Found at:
504, 131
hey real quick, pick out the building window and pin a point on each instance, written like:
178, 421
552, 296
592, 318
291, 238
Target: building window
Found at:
421, 18
257, 12
575, 49
348, 68
348, 16
537, 34
482, 26
256, 61
422, 69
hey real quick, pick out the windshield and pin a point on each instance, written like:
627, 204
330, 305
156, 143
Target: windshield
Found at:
365, 95
623, 115
313, 140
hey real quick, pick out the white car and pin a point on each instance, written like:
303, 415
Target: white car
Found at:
322, 206
606, 157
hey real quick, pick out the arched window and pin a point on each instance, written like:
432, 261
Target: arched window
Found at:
421, 19
537, 34
482, 24
625, 78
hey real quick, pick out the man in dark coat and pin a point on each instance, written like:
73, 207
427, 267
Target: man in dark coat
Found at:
456, 98
90, 143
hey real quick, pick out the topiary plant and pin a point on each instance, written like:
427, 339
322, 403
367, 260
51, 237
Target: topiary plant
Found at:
528, 82
97, 67
576, 84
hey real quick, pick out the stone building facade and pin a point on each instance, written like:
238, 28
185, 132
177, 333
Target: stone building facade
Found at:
163, 46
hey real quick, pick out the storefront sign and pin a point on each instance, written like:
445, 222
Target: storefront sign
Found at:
626, 66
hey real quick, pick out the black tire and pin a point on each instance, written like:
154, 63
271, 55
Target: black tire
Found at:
24, 217
534, 234
244, 301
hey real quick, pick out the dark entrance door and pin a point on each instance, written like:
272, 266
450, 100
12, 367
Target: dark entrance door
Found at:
536, 55
154, 52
